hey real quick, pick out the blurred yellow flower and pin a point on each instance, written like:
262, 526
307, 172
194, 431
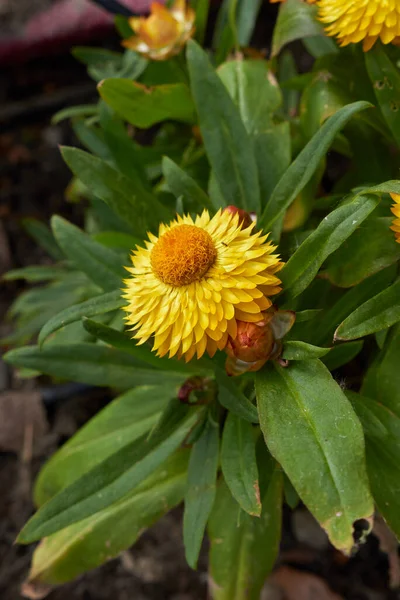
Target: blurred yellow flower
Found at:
353, 21
396, 211
308, 1
164, 33
193, 282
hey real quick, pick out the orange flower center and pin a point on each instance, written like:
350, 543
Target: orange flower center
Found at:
183, 255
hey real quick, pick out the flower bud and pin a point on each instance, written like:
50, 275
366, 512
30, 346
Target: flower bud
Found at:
244, 217
255, 343
164, 33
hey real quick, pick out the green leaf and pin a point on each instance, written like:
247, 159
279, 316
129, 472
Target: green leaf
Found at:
118, 240
92, 364
35, 273
238, 462
233, 399
331, 318
94, 306
84, 110
113, 478
304, 264
312, 431
87, 544
202, 8
273, 154
342, 354
381, 311
101, 265
303, 167
143, 353
320, 45
385, 79
255, 91
382, 381
382, 438
182, 185
247, 12
296, 20
125, 419
200, 490
44, 237
227, 143
129, 200
145, 106
307, 315
294, 350
356, 260
237, 539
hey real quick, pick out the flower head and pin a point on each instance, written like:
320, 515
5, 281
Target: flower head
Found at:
164, 32
396, 211
193, 282
353, 21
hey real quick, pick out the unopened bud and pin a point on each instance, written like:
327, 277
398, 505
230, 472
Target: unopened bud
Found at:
244, 217
255, 343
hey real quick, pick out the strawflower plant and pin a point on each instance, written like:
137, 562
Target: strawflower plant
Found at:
225, 283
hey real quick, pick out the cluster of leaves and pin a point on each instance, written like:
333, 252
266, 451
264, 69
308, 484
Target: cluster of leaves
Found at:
226, 132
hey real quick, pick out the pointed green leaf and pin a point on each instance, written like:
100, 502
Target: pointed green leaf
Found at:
92, 364
311, 429
143, 353
44, 237
385, 78
96, 539
296, 350
102, 265
382, 381
304, 264
355, 260
237, 539
181, 184
247, 12
238, 462
331, 318
342, 354
35, 273
200, 490
381, 311
113, 478
129, 200
229, 148
145, 106
94, 306
382, 438
255, 91
296, 20
233, 399
121, 422
304, 166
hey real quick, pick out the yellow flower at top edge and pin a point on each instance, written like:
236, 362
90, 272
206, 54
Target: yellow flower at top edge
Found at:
164, 32
190, 285
308, 1
396, 211
352, 21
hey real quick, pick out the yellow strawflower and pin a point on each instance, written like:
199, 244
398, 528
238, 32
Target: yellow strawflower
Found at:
191, 284
396, 211
164, 33
353, 21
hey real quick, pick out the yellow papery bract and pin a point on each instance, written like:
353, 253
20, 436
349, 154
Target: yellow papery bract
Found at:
396, 211
191, 318
353, 21
164, 33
